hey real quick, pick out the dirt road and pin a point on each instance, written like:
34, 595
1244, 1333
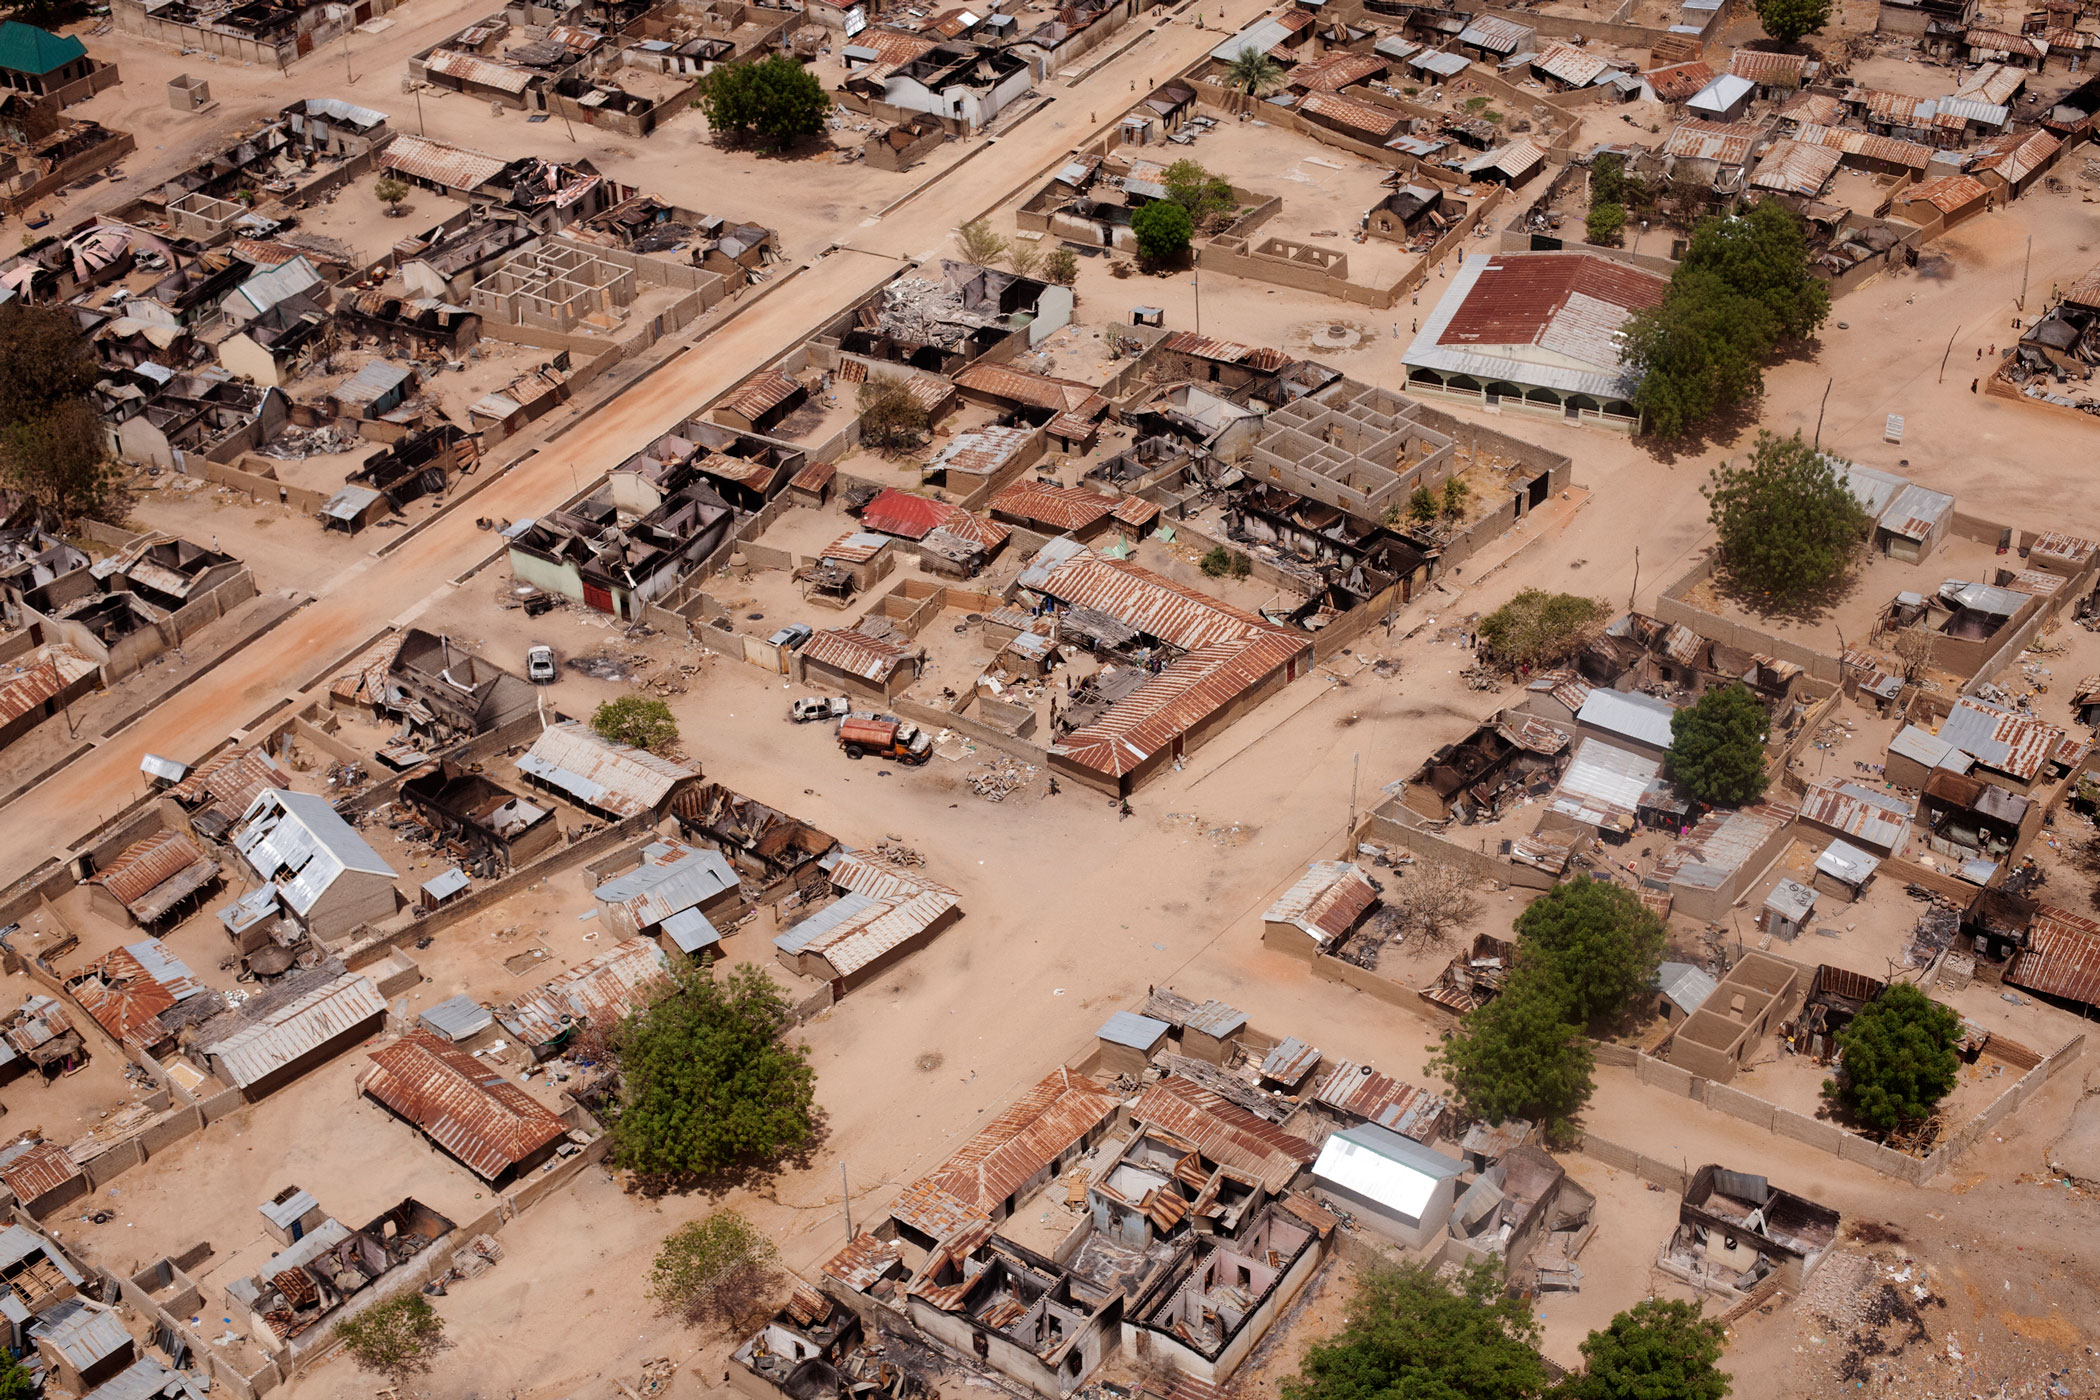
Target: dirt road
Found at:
416, 578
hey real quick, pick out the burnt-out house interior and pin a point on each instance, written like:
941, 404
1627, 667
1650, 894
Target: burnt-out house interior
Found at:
639, 561
1343, 560
483, 825
762, 842
1217, 1284
443, 692
305, 1283
1998, 922
1162, 1188
1735, 1228
1637, 652
1966, 817
1510, 758
1007, 1297
1835, 996
1475, 977
1525, 1209
420, 464
818, 1349
940, 326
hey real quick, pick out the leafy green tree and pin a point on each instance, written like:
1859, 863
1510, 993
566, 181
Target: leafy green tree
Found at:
1520, 1057
1612, 182
1217, 563
1788, 20
16, 1383
774, 98
707, 1080
1023, 259
1699, 353
1897, 1059
1763, 255
719, 1268
1605, 225
397, 1338
637, 720
1717, 746
979, 244
1594, 944
1537, 628
891, 417
1253, 72
51, 441
1658, 1349
1789, 526
1456, 493
1207, 197
391, 192
1163, 231
1422, 506
1410, 1336
1062, 266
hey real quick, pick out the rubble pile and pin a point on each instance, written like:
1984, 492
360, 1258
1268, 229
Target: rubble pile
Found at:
296, 444
928, 313
893, 850
999, 777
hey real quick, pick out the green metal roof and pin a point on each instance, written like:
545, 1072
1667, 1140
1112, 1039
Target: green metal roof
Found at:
24, 48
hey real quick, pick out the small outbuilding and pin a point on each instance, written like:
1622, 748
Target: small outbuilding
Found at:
1129, 1041
1390, 1184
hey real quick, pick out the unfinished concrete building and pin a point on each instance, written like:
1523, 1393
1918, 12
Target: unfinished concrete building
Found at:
1357, 448
1719, 1038
552, 287
1209, 1309
1735, 1229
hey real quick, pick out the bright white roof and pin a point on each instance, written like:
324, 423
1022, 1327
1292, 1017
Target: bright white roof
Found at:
1382, 1166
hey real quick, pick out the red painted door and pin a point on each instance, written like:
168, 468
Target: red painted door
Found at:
598, 598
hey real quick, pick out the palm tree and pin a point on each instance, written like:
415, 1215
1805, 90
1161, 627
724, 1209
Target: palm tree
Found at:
1255, 71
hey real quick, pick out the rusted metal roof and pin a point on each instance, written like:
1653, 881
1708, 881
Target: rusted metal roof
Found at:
855, 653
863, 1262
1867, 146
2057, 544
1035, 390
126, 996
1768, 69
854, 547
601, 991
2000, 42
265, 1046
1812, 109
1795, 167
1377, 123
2062, 957
760, 394
1679, 81
36, 1168
1950, 194
1728, 143
1870, 823
998, 1159
472, 68
599, 773
1899, 108
814, 477
461, 1104
982, 451
2015, 155
1363, 1092
1190, 690
1570, 302
1135, 511
1573, 66
1060, 508
1994, 83
1155, 606
1205, 347
454, 167
1328, 900
1334, 71
138, 875
39, 679
904, 514
1222, 1131
2014, 744
1290, 1061
1496, 34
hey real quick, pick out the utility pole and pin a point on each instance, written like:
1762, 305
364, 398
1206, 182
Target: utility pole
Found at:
1945, 353
1199, 298
1355, 760
1634, 591
1819, 413
846, 1200
2025, 263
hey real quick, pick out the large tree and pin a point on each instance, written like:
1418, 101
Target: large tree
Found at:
1788, 20
1594, 943
1520, 1056
51, 440
708, 1080
891, 417
1717, 746
396, 1338
639, 720
1253, 72
1208, 198
1537, 628
1163, 230
1789, 526
718, 1268
1898, 1059
774, 98
1763, 255
1658, 1349
1411, 1336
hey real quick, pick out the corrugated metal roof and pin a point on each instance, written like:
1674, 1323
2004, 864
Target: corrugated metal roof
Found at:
1290, 1061
864, 1261
40, 677
1363, 1092
463, 1106
760, 394
1629, 713
1384, 1167
1848, 863
981, 451
855, 653
1721, 94
601, 991
871, 928
1440, 62
1170, 704
1216, 1020
372, 383
1687, 986
1375, 122
1726, 142
1028, 1135
1999, 42
1956, 112
1869, 823
1603, 784
1535, 317
1795, 167
1923, 746
2016, 155
1679, 80
1768, 69
1059, 508
1328, 900
1035, 390
1812, 108
1900, 108
296, 840
1721, 844
472, 68
260, 1049
1916, 512
1867, 145
456, 1018
454, 167
610, 777
1261, 36
1497, 34
1132, 1030
1222, 1131
36, 1168
1155, 606
141, 868
1994, 82
679, 878
1950, 194
1336, 70
2014, 744
83, 1333
2062, 957
126, 996
1573, 66
1207, 347
2058, 544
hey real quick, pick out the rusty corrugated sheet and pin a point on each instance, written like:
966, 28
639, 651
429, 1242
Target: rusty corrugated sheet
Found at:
453, 167
601, 992
1206, 347
461, 1104
48, 671
2062, 957
36, 1169
1375, 122
760, 394
864, 1261
610, 777
263, 1047
855, 653
1061, 508
1363, 1092
144, 865
1190, 690
1223, 1131
1032, 1133
1327, 901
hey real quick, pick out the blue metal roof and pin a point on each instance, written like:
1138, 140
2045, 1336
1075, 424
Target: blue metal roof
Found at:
1137, 1032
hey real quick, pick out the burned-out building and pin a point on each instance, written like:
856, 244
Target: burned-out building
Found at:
942, 325
423, 463
769, 847
1026, 1316
1513, 756
1968, 818
283, 1305
1211, 1306
439, 691
618, 564
478, 822
1735, 1229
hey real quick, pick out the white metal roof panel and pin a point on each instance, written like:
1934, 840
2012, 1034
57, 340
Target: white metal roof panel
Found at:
258, 1050
1629, 713
1382, 1166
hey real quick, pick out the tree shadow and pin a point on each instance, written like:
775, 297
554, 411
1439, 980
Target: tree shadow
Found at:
1722, 429
802, 149
1809, 608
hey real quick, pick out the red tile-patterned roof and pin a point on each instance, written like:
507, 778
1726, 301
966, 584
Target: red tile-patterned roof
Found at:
462, 1105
